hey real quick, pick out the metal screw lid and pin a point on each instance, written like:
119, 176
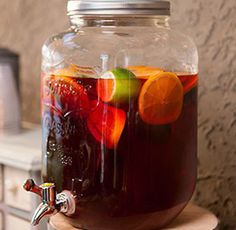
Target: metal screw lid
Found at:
118, 7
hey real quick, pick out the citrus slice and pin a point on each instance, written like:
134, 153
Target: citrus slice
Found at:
84, 71
65, 94
188, 82
161, 99
106, 124
74, 70
118, 85
144, 72
65, 72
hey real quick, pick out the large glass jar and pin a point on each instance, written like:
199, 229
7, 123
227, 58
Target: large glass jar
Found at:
119, 114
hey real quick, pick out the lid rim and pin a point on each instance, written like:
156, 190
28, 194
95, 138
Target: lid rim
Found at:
151, 7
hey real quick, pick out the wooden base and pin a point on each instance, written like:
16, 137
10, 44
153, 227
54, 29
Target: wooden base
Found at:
192, 218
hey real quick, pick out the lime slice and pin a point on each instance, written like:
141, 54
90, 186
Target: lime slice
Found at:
118, 85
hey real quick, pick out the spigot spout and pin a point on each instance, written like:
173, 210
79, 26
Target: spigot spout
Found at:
42, 211
51, 201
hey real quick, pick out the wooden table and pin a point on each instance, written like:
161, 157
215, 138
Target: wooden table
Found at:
192, 218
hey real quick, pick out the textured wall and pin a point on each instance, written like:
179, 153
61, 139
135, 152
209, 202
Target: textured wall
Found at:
212, 24
25, 24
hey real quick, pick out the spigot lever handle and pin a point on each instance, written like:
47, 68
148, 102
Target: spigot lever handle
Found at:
30, 186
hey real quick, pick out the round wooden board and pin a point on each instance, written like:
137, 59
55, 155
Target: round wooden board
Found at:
192, 218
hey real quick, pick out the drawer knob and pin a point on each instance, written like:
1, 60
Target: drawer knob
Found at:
12, 186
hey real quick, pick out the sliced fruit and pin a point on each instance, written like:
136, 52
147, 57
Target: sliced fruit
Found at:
161, 99
144, 72
188, 82
74, 70
83, 70
65, 94
66, 72
106, 124
118, 85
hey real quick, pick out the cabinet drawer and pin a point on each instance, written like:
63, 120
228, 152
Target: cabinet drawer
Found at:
14, 194
15, 223
1, 183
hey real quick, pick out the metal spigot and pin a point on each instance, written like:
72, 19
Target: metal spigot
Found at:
52, 203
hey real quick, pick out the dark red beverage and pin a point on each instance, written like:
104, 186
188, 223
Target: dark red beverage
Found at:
121, 157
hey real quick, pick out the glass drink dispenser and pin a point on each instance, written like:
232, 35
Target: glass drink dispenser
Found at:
119, 117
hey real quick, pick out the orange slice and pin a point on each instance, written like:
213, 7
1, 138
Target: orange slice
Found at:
161, 99
83, 70
65, 94
144, 72
69, 72
74, 70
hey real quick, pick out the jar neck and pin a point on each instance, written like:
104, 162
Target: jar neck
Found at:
157, 21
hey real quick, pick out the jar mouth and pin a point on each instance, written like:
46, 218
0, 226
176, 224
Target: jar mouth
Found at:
140, 8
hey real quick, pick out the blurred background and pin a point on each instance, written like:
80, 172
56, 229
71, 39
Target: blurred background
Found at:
25, 25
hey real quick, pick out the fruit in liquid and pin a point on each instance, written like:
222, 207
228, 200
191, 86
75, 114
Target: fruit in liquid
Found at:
111, 150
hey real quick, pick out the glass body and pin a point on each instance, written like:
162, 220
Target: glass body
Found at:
102, 137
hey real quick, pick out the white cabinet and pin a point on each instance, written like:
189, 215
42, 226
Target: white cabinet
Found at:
16, 223
14, 194
1, 183
20, 159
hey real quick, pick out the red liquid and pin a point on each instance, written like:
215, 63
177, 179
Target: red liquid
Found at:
152, 168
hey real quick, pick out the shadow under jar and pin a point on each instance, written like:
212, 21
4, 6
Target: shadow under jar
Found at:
119, 114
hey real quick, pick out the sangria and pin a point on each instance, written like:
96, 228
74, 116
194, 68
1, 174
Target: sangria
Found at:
124, 141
